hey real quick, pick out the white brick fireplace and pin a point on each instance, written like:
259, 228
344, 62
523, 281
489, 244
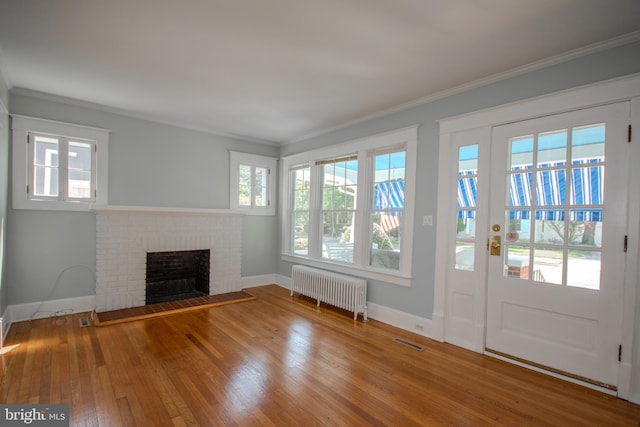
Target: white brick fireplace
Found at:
124, 235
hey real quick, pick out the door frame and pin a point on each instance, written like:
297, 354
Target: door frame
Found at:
479, 124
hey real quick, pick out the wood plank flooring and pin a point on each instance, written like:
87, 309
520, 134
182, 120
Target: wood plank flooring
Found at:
275, 361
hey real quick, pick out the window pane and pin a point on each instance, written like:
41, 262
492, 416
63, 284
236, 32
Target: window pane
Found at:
244, 186
46, 175
301, 183
337, 235
260, 189
388, 208
301, 233
385, 244
79, 177
300, 179
339, 195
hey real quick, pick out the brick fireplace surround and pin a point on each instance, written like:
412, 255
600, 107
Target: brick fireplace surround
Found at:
124, 235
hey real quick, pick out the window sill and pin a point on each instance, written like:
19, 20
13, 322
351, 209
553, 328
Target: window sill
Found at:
365, 272
50, 205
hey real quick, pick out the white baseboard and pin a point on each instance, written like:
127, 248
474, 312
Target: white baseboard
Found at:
390, 316
253, 281
400, 319
39, 310
5, 324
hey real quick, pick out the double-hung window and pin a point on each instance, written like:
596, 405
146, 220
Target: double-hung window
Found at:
58, 166
349, 207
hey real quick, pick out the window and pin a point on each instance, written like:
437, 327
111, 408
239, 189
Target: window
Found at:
58, 166
61, 168
252, 183
350, 206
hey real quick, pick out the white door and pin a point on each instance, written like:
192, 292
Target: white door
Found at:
557, 221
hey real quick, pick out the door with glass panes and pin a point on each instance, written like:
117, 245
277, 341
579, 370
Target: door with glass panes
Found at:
557, 221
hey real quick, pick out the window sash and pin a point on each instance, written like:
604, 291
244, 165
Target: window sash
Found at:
44, 174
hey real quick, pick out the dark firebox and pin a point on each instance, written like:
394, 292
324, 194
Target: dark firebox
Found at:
177, 275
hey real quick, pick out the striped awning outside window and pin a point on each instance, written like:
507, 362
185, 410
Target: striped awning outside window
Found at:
586, 197
387, 196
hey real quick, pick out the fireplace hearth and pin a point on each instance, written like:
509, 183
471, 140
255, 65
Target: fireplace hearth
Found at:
176, 275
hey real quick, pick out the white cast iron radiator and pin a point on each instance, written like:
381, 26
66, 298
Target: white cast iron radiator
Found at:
347, 292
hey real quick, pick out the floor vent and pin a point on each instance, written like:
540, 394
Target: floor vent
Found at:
84, 322
409, 344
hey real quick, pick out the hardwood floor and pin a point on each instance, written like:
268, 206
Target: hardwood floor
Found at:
277, 362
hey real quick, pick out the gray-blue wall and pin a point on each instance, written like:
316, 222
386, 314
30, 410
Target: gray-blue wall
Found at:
150, 164
4, 182
159, 165
418, 299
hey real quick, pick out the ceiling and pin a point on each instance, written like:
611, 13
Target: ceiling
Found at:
278, 71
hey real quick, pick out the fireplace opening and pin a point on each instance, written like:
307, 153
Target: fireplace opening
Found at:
177, 275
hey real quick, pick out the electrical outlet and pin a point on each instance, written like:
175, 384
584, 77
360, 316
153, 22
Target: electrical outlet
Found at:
427, 220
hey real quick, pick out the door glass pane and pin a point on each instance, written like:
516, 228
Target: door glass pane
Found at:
517, 258
587, 185
548, 265
521, 152
465, 243
583, 269
519, 189
517, 225
465, 240
551, 187
552, 148
587, 143
549, 227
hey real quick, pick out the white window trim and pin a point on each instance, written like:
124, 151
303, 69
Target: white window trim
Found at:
235, 160
363, 147
21, 126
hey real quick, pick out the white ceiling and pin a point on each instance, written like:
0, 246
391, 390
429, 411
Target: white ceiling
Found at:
280, 70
